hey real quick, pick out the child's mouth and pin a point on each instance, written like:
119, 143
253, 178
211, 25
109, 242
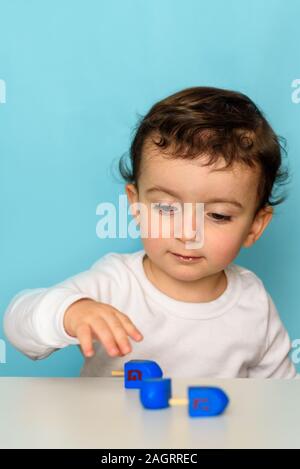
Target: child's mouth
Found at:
188, 259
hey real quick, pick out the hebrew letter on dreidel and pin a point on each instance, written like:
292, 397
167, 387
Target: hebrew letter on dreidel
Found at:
202, 403
134, 375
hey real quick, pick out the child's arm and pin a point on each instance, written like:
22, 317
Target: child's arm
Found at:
33, 320
40, 321
274, 361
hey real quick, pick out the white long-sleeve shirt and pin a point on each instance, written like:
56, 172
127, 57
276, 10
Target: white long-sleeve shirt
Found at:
239, 334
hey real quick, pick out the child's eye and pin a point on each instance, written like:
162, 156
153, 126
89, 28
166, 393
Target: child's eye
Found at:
165, 208
218, 217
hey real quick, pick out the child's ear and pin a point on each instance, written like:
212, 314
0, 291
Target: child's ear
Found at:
259, 224
132, 194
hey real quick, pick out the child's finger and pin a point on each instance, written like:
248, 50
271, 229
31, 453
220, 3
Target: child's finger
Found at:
119, 332
105, 336
131, 329
84, 335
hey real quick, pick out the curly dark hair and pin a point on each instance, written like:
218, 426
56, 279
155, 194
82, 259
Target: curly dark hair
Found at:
218, 123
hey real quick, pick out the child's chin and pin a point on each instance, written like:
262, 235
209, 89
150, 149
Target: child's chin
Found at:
185, 273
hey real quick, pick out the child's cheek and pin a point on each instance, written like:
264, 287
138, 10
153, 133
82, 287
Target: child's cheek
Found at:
153, 247
222, 246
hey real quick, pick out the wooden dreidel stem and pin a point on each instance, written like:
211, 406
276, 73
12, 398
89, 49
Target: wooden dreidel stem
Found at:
135, 371
202, 401
178, 401
117, 373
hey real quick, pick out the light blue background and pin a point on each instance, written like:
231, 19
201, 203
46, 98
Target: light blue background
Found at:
77, 74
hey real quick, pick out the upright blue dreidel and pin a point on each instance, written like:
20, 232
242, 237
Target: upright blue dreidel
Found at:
135, 371
202, 401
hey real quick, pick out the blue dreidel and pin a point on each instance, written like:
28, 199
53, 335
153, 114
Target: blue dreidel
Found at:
135, 371
202, 401
155, 393
206, 401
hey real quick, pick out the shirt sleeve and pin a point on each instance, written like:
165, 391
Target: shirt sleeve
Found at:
274, 361
33, 320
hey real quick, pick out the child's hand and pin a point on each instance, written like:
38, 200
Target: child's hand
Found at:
87, 319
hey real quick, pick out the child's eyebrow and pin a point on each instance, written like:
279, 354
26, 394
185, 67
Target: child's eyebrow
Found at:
211, 201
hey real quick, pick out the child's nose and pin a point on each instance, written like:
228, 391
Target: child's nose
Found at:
192, 224
188, 232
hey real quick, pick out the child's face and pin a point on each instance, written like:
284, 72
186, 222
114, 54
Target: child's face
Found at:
193, 183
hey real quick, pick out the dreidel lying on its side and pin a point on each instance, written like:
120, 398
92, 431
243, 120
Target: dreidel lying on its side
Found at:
135, 371
202, 401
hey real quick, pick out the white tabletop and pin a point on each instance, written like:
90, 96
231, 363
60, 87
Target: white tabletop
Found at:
101, 413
